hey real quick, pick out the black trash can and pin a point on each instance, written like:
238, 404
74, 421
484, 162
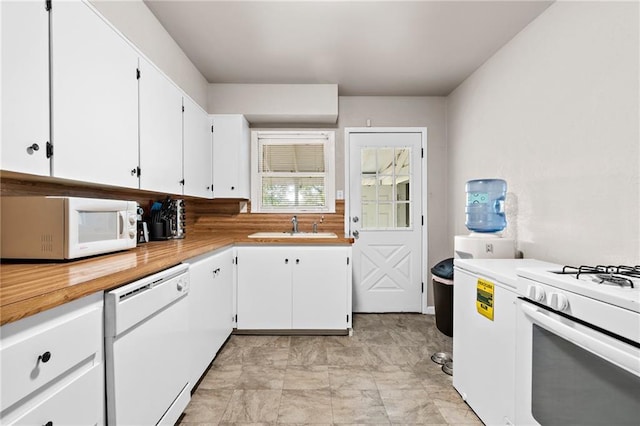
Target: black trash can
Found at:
443, 294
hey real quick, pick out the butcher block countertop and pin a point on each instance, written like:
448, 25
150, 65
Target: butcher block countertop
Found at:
27, 288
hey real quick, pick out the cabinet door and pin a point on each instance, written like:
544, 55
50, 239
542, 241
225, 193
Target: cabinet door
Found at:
231, 159
319, 288
223, 299
25, 87
160, 132
197, 151
94, 98
264, 288
201, 316
210, 309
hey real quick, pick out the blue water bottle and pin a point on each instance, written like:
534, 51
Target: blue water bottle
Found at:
485, 205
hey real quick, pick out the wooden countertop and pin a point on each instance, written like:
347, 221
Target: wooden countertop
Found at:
27, 288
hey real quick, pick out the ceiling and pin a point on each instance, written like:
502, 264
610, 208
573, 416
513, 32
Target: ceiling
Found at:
384, 48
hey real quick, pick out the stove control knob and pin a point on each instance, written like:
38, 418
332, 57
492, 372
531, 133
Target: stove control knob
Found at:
132, 220
535, 293
558, 301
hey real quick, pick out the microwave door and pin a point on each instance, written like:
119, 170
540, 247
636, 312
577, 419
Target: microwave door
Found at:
95, 227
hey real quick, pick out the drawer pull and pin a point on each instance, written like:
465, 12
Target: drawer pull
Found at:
45, 357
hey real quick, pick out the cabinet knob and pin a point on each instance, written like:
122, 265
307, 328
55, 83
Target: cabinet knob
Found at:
233, 188
297, 261
45, 357
32, 148
181, 182
134, 172
49, 423
286, 261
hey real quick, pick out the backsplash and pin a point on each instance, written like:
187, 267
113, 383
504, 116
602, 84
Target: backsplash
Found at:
202, 215
216, 217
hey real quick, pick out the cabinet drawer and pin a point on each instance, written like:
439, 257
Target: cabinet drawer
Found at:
32, 357
80, 402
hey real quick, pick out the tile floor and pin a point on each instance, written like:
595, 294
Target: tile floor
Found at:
382, 374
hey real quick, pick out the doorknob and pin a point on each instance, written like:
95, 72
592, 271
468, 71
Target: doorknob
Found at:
356, 234
355, 219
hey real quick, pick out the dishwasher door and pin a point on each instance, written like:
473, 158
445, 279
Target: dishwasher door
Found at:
146, 333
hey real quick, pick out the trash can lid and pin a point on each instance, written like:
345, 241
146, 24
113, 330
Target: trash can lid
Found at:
437, 279
444, 269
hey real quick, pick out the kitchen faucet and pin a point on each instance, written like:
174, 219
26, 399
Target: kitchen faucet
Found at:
294, 221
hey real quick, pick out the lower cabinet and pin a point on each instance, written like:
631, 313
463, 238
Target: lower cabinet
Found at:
210, 308
52, 366
294, 288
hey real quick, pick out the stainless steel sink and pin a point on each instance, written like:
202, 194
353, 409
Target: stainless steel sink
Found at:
291, 235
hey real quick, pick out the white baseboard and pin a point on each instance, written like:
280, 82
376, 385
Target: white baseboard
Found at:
431, 310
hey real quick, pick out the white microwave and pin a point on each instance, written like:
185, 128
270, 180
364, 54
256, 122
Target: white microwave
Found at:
65, 227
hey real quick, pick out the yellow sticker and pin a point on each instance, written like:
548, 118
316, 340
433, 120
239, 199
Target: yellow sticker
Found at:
484, 298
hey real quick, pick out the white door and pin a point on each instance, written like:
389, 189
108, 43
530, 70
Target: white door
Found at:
264, 288
25, 87
231, 158
385, 215
319, 288
160, 132
197, 151
94, 98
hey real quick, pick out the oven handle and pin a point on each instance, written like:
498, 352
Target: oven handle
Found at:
623, 359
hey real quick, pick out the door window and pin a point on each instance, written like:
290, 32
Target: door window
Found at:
385, 192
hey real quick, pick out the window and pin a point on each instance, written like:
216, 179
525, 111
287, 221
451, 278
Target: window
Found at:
292, 172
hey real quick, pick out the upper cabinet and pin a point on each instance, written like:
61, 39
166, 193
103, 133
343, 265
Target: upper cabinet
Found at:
80, 102
94, 99
231, 160
25, 87
197, 151
160, 132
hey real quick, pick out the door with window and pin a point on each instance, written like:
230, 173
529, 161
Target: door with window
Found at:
385, 217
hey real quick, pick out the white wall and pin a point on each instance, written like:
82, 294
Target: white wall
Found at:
555, 112
276, 103
136, 22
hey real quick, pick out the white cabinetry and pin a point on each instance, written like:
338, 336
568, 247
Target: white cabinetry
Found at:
25, 87
94, 98
160, 132
294, 287
231, 160
197, 148
52, 368
210, 308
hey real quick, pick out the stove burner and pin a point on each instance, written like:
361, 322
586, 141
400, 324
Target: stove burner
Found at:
621, 275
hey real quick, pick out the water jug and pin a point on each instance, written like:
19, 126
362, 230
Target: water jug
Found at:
485, 205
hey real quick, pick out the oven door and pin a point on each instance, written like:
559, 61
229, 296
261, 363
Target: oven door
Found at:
572, 374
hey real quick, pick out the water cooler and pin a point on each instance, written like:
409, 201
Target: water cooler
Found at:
485, 219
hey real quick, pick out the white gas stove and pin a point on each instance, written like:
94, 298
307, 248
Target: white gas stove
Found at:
578, 345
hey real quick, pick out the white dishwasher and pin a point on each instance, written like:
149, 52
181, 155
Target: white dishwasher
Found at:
146, 336
484, 335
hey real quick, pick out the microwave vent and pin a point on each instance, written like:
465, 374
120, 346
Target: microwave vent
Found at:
46, 243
